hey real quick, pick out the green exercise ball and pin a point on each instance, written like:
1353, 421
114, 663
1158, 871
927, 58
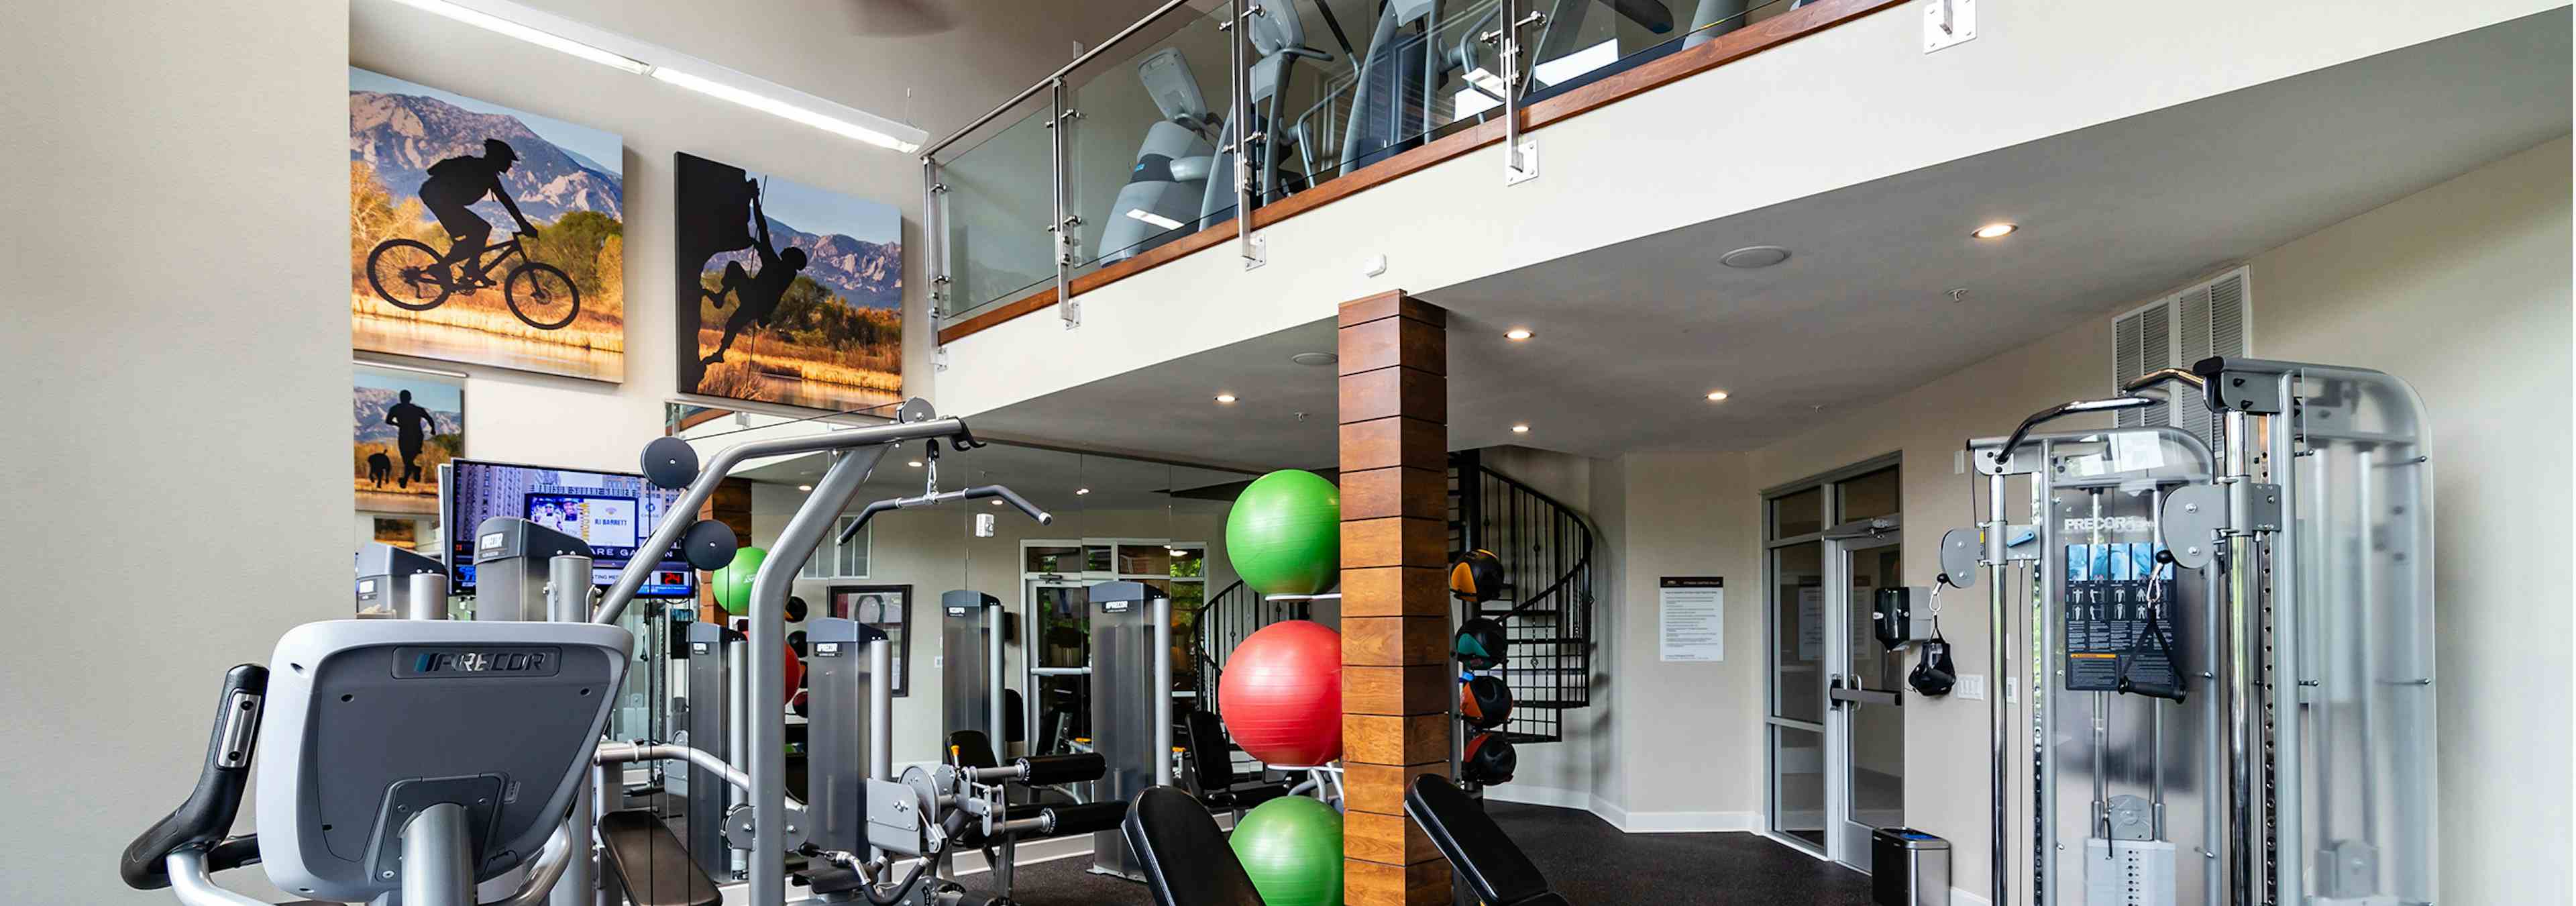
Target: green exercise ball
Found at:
1285, 534
732, 584
1292, 849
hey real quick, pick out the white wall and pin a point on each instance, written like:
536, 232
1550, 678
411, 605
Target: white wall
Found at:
1893, 109
179, 490
2462, 289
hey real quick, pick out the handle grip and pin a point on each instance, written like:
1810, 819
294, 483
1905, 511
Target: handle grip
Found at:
1083, 818
1076, 767
201, 821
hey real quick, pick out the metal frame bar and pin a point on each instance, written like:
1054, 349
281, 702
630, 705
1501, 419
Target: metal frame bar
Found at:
1057, 76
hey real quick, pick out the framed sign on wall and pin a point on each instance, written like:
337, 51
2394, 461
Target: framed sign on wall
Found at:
888, 608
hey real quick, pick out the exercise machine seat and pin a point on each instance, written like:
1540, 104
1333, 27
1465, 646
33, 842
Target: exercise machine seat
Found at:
651, 864
1495, 868
1209, 752
1184, 856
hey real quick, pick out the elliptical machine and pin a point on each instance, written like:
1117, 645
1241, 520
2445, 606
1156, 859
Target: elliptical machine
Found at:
430, 762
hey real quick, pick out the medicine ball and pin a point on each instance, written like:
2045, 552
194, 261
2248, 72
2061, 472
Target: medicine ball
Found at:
795, 609
1484, 702
796, 642
1479, 644
1476, 576
798, 704
1490, 760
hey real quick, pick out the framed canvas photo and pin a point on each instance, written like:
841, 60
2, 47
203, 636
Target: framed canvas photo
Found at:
484, 234
404, 425
887, 608
785, 293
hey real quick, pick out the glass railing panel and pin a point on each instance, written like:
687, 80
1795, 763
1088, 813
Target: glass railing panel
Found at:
1142, 166
994, 216
1584, 41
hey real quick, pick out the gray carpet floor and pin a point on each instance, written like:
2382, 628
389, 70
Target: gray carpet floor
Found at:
1583, 857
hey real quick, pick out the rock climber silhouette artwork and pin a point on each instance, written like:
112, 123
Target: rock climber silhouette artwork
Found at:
484, 234
785, 293
403, 426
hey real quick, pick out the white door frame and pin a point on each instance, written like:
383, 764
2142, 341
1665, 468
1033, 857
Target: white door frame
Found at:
1846, 841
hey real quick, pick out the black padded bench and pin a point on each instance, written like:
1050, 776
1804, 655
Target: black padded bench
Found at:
650, 862
1475, 846
1211, 758
1182, 852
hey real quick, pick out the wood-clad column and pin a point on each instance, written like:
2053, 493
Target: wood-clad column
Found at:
731, 505
1395, 606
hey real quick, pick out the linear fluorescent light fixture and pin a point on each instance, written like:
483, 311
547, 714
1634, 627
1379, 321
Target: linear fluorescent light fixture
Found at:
546, 39
781, 109
626, 54
1158, 220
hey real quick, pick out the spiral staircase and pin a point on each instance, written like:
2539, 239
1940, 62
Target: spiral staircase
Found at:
1545, 607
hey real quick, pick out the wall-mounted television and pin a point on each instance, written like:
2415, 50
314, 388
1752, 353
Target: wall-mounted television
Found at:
614, 511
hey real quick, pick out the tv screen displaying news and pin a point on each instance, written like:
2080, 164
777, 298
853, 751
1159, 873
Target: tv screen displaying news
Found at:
615, 512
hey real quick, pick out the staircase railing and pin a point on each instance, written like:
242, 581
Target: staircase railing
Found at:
1545, 545
1223, 621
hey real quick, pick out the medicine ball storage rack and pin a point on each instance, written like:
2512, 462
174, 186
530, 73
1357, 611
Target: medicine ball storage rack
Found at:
1544, 601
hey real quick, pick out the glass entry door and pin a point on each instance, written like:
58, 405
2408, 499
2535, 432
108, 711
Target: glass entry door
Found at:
1865, 689
1836, 728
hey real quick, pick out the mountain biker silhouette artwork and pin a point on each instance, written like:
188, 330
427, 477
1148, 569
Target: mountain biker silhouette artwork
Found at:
403, 425
785, 293
432, 177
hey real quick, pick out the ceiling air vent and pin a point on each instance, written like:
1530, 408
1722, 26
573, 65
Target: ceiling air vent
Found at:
2203, 320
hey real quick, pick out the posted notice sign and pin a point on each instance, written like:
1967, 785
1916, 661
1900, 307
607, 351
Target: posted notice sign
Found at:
1694, 618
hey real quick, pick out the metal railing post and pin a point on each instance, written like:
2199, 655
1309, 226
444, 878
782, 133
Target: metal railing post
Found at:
1069, 309
934, 242
1239, 115
1519, 164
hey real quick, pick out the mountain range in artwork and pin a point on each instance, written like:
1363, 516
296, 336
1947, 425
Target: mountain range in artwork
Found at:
552, 301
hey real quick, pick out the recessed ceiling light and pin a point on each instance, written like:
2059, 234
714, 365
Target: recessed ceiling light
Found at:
1753, 256
1995, 230
915, 463
997, 503
1520, 429
1225, 398
1715, 396
1517, 334
1081, 491
804, 487
1315, 359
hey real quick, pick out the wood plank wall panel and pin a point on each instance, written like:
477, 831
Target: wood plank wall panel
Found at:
1395, 606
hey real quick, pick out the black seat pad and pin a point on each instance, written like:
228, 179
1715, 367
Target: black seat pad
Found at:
1184, 856
651, 864
1475, 846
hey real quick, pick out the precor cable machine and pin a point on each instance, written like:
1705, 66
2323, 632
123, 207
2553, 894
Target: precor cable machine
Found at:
2229, 698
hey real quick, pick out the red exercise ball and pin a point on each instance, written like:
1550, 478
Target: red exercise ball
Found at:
1282, 694
795, 670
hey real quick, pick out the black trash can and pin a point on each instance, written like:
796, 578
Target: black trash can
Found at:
1908, 868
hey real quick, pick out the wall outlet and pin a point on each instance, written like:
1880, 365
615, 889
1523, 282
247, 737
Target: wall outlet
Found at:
937, 661
1972, 686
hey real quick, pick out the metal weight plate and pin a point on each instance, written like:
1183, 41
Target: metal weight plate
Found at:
708, 545
915, 409
2193, 516
670, 462
1960, 548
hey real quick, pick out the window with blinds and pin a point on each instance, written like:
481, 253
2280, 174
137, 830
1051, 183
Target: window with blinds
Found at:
2202, 320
